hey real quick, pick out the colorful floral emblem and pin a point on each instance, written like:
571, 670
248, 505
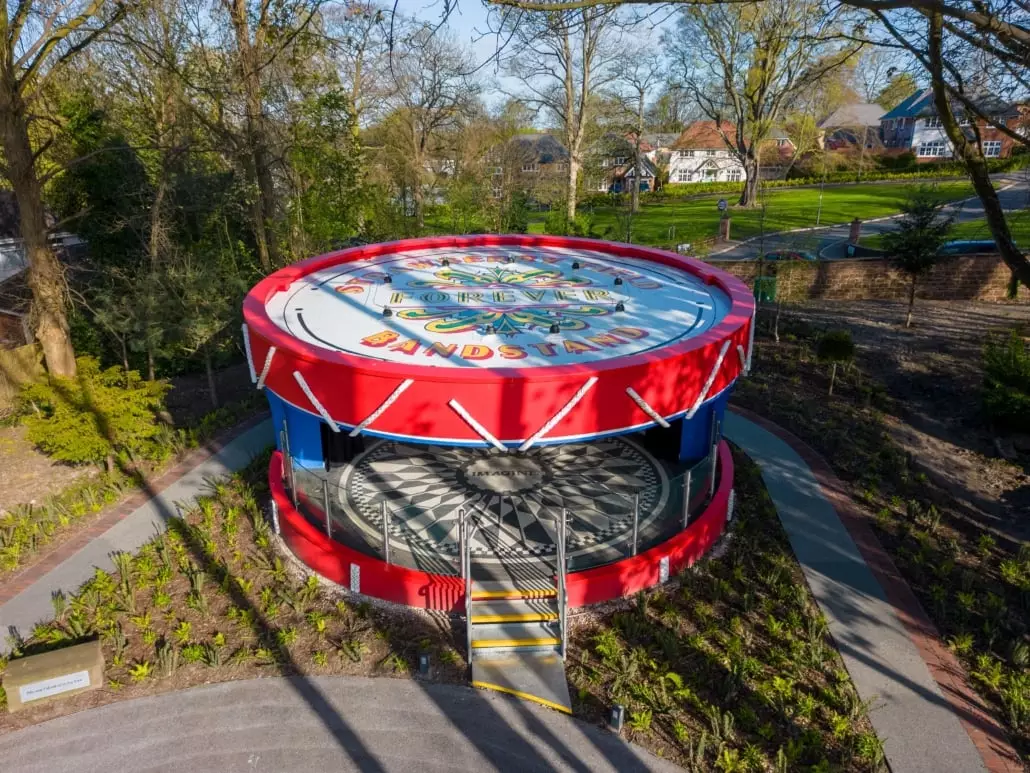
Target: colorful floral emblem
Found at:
505, 321
452, 278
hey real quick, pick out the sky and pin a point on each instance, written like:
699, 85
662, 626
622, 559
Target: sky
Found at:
469, 25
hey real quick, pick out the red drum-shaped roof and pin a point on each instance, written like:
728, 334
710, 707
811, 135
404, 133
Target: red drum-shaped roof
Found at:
496, 339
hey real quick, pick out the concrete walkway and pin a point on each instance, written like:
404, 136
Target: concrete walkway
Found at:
322, 723
919, 728
33, 605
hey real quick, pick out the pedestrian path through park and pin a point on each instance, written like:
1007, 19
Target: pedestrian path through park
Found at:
920, 729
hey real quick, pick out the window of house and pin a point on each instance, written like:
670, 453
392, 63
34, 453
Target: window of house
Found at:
735, 175
620, 160
711, 175
710, 152
495, 171
781, 141
685, 153
935, 149
531, 167
933, 122
992, 148
683, 176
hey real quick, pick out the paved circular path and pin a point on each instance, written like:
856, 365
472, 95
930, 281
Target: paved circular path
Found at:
321, 723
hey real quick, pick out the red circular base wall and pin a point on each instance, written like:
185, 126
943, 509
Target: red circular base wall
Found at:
411, 587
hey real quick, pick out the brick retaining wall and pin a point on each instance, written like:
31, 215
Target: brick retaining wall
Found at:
964, 277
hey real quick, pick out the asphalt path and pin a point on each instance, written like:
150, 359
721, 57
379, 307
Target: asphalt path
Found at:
1013, 192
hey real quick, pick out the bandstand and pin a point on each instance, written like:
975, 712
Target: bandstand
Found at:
507, 426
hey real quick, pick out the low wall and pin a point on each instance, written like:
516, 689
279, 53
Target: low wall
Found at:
959, 278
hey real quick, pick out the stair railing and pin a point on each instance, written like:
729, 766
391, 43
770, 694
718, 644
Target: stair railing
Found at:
563, 600
465, 538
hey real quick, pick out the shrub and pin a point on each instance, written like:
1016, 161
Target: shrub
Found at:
1006, 391
835, 346
95, 415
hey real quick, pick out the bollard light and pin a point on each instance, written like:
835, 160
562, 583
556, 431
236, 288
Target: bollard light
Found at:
617, 718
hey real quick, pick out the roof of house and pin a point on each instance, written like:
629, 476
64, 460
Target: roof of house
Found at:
703, 135
920, 104
647, 168
657, 140
545, 148
850, 116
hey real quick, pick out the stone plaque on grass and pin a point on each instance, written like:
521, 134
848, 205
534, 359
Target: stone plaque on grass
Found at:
36, 679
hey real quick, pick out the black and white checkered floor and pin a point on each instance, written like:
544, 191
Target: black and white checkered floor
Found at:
514, 498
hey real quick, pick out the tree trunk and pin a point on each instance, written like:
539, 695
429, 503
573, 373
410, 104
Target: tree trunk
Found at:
256, 134
45, 277
833, 378
911, 301
418, 199
570, 182
976, 164
210, 378
151, 376
635, 205
125, 359
749, 195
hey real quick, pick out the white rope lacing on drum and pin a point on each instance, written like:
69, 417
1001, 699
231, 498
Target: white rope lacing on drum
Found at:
743, 357
250, 354
314, 401
264, 370
560, 415
382, 408
646, 408
711, 380
483, 431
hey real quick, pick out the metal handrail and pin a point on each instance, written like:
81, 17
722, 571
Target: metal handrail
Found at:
563, 599
465, 537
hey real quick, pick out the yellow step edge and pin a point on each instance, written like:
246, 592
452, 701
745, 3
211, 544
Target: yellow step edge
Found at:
543, 593
484, 643
524, 695
520, 617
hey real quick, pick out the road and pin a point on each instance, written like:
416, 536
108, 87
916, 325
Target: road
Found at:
1013, 191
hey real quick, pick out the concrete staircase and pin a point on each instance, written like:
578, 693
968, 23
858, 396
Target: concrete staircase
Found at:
516, 642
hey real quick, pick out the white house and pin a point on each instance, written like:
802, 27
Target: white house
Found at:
699, 154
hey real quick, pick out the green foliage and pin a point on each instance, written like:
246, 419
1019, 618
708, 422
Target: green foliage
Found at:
1006, 389
96, 415
921, 231
836, 346
558, 223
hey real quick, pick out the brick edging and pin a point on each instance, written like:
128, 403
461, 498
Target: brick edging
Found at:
20, 581
987, 734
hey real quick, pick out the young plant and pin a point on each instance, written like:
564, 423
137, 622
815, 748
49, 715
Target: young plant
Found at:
837, 348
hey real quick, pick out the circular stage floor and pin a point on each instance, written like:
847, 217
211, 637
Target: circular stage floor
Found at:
515, 499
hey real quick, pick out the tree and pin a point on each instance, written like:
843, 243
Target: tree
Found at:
638, 79
745, 63
432, 91
966, 47
36, 39
837, 348
564, 59
916, 242
671, 111
900, 86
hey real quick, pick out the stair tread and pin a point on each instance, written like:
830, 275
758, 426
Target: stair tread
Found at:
533, 676
514, 610
541, 629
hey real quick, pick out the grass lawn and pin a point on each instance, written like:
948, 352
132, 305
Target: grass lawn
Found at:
1019, 224
670, 222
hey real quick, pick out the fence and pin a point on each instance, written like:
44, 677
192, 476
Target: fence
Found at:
395, 528
962, 277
